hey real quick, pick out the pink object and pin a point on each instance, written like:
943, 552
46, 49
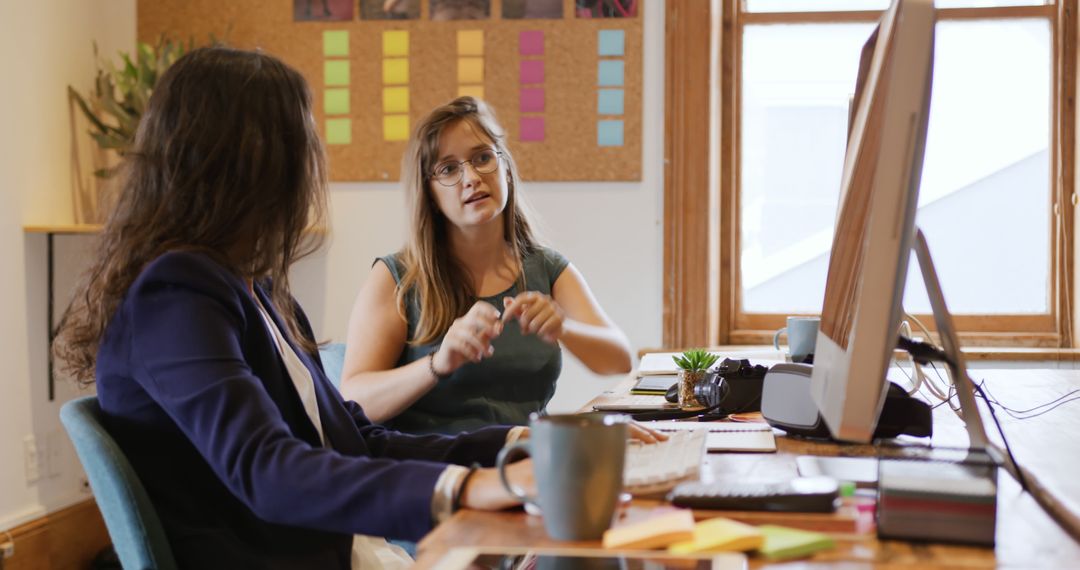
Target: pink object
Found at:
532, 129
532, 71
531, 42
532, 100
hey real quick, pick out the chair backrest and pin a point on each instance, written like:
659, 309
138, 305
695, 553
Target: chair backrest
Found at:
333, 360
133, 524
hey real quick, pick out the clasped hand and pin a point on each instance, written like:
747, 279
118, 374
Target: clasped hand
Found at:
469, 337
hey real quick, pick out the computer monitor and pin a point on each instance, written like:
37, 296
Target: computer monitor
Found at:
876, 221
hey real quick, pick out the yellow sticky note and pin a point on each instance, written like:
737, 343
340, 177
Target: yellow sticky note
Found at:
336, 101
395, 99
470, 70
395, 71
335, 42
471, 90
395, 43
336, 72
338, 131
720, 535
470, 42
395, 127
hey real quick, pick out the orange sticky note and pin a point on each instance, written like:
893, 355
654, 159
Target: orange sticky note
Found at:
470, 42
470, 70
471, 90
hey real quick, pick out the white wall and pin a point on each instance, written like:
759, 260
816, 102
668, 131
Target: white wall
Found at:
44, 46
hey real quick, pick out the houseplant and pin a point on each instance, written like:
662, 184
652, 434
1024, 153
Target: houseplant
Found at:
693, 365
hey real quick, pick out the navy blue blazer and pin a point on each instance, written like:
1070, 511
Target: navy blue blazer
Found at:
196, 395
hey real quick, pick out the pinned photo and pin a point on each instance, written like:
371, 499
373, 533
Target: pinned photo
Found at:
389, 9
532, 9
460, 9
606, 8
322, 10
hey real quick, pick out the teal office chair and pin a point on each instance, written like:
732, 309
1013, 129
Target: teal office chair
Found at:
333, 360
133, 524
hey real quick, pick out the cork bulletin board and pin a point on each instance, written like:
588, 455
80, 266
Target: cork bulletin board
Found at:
566, 89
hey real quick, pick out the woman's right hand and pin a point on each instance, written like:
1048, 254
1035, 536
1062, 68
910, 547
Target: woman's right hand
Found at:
484, 491
468, 339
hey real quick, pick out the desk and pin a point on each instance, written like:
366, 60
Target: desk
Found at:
1026, 536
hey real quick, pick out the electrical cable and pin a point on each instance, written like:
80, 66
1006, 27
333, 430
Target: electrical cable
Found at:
1008, 449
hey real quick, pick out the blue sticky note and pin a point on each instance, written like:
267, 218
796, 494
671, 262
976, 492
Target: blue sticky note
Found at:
610, 73
612, 42
609, 102
609, 133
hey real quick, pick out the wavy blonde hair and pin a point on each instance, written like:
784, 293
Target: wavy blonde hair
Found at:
442, 286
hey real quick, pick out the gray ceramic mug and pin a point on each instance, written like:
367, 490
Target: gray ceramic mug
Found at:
802, 335
578, 466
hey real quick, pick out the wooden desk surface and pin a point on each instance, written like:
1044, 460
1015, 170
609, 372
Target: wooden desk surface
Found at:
1026, 536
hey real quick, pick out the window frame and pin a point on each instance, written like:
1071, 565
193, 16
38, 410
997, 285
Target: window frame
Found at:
701, 248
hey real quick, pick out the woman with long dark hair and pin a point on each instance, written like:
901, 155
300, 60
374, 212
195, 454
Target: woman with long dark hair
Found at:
206, 368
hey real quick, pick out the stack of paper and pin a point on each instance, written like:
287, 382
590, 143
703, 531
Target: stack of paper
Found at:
720, 535
939, 501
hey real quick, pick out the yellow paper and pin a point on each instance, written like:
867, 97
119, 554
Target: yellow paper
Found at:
336, 101
395, 99
720, 535
396, 127
395, 71
470, 70
338, 131
336, 72
395, 43
652, 531
470, 42
335, 43
471, 90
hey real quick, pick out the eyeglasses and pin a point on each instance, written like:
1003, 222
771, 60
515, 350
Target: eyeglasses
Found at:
451, 172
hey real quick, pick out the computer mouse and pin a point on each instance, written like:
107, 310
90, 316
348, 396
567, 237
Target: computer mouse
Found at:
672, 394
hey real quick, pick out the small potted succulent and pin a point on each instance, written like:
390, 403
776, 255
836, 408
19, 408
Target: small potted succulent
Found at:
693, 366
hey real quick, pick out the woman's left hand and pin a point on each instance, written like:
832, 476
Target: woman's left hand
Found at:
645, 434
537, 314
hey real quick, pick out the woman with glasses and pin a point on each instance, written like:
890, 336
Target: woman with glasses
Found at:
464, 327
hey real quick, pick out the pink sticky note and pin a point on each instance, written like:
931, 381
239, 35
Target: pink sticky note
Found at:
532, 100
531, 42
532, 128
532, 71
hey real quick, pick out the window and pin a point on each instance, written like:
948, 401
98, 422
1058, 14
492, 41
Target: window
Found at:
998, 167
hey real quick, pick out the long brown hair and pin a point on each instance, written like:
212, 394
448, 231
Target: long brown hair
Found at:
441, 284
226, 161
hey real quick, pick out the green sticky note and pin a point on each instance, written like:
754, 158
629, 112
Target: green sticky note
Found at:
336, 72
782, 542
336, 101
470, 42
395, 99
470, 70
395, 43
396, 127
395, 71
339, 131
335, 43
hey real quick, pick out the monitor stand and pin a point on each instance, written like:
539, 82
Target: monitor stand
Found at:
966, 393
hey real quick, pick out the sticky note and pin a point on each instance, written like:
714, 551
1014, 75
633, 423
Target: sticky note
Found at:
532, 128
531, 42
336, 72
395, 99
338, 131
611, 43
336, 101
609, 133
395, 127
470, 42
720, 535
782, 542
395, 71
395, 43
532, 71
609, 102
471, 90
335, 43
532, 100
470, 70
610, 73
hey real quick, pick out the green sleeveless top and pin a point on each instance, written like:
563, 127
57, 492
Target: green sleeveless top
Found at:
503, 389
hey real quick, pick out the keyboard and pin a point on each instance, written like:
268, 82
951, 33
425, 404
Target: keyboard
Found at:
655, 468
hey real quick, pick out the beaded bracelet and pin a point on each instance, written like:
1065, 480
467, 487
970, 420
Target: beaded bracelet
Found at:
456, 503
431, 366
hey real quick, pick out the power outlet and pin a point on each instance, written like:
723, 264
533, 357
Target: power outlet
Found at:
31, 459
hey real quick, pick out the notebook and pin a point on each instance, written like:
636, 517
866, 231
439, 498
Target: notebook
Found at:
783, 542
720, 535
654, 384
727, 436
